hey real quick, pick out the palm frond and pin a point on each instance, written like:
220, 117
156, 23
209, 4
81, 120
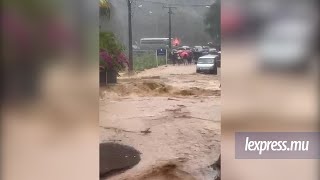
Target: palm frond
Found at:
104, 4
105, 8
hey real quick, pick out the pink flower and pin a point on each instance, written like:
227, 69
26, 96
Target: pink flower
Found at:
110, 61
123, 59
104, 55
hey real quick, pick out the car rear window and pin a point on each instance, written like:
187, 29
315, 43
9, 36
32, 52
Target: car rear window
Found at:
205, 60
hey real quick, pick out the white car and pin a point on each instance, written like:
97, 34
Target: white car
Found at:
207, 63
184, 48
198, 48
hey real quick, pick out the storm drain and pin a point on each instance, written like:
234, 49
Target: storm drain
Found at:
116, 158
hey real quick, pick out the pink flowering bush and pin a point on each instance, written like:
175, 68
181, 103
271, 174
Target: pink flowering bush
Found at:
116, 62
111, 53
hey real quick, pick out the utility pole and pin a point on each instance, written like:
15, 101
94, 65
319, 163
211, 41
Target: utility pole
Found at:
170, 24
170, 30
130, 37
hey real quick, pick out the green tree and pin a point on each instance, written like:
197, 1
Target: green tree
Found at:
212, 22
108, 41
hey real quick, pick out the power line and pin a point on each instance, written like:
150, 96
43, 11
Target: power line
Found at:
142, 10
168, 6
203, 4
170, 23
153, 2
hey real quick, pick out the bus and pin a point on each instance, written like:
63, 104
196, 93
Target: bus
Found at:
154, 43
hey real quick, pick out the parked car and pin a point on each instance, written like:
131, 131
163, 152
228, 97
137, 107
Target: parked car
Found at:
218, 54
186, 47
212, 50
197, 52
205, 48
208, 64
198, 48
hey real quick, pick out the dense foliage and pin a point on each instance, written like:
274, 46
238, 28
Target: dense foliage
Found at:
212, 21
111, 52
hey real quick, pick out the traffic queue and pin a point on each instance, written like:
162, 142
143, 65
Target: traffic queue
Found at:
186, 55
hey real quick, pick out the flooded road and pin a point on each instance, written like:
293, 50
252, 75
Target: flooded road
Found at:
171, 115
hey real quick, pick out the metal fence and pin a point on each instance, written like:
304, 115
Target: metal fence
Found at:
146, 59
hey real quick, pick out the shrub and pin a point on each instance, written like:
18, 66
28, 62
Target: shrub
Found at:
111, 53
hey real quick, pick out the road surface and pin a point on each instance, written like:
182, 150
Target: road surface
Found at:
171, 115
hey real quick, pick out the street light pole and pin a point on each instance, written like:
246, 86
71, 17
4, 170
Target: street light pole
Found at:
130, 37
170, 25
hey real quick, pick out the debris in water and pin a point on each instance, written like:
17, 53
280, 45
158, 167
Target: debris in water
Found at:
173, 99
147, 131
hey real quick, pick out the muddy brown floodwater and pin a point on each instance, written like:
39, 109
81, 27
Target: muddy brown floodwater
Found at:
171, 115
